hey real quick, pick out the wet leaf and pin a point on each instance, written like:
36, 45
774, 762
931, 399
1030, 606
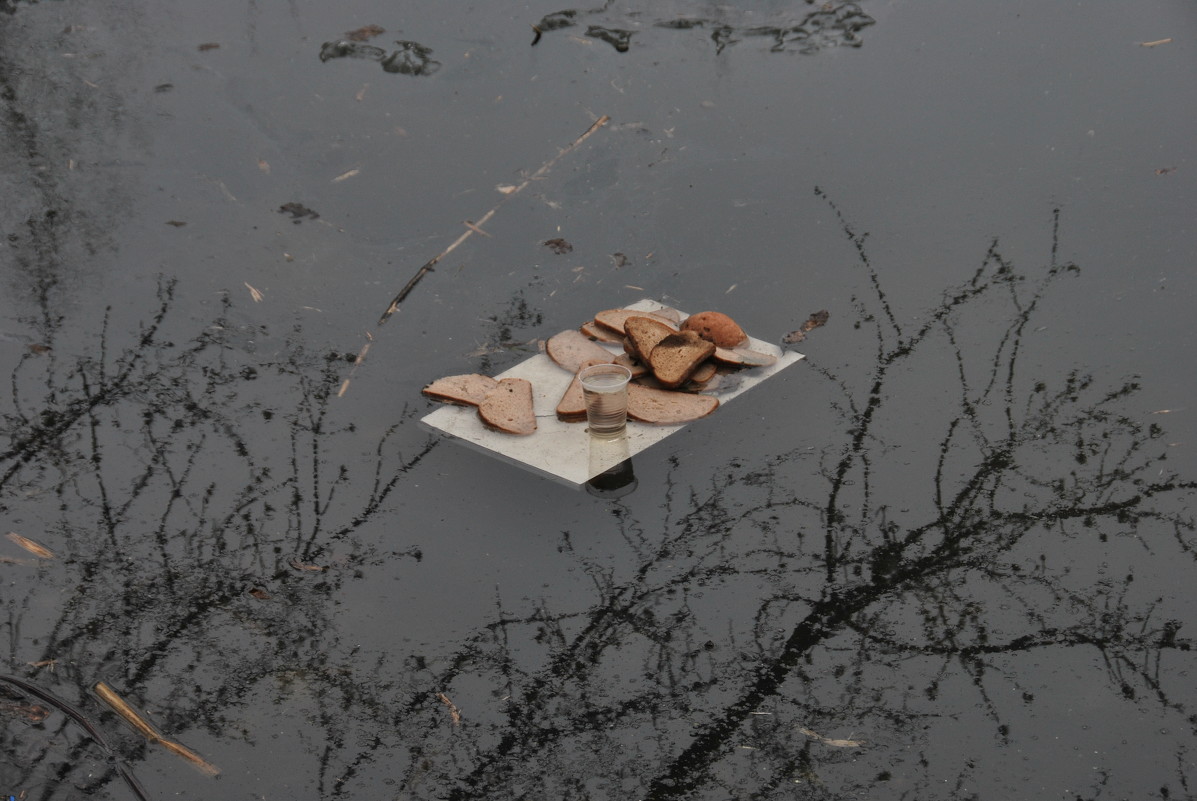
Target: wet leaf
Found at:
40, 551
264, 166
254, 293
814, 321
1156, 43
176, 223
345, 175
559, 246
303, 566
832, 742
206, 46
38, 350
454, 712
298, 212
34, 713
260, 594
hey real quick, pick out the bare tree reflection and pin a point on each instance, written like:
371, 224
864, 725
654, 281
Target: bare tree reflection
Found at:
650, 694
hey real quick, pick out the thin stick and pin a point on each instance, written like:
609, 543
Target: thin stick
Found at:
471, 229
147, 730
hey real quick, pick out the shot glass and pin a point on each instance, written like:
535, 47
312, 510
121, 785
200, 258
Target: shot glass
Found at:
605, 388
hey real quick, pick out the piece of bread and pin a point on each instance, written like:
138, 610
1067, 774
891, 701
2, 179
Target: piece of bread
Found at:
677, 356
600, 332
643, 335
572, 406
744, 357
509, 407
466, 390
614, 319
716, 327
627, 360
570, 348
665, 407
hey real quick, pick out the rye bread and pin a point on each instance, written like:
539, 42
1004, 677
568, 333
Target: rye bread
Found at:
572, 406
466, 390
570, 348
665, 407
600, 333
614, 319
643, 335
677, 356
508, 408
744, 357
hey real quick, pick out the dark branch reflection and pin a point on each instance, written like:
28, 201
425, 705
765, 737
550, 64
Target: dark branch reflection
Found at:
813, 622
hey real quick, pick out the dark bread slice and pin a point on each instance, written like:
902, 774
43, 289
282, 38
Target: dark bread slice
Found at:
509, 407
570, 348
664, 407
677, 356
643, 335
615, 318
467, 390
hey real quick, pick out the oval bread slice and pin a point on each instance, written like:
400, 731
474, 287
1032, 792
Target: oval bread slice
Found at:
614, 319
509, 407
467, 390
744, 357
664, 407
570, 348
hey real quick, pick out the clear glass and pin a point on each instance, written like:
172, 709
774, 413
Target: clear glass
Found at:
605, 387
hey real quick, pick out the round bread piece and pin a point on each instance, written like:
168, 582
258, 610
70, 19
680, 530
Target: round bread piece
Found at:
615, 318
466, 390
570, 348
716, 327
662, 407
509, 407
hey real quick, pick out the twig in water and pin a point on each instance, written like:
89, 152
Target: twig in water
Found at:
147, 730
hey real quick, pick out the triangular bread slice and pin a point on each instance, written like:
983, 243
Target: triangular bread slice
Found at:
509, 407
467, 390
677, 356
572, 406
643, 335
664, 407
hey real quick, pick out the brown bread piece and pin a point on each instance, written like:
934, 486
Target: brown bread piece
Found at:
509, 407
572, 406
744, 357
643, 335
467, 390
570, 348
716, 327
664, 407
677, 356
600, 332
615, 318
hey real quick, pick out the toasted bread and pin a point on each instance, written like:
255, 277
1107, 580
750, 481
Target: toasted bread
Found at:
643, 335
466, 390
509, 407
664, 407
677, 356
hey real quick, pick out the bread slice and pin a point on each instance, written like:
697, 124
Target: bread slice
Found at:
744, 357
572, 406
600, 332
643, 335
509, 407
570, 348
677, 356
466, 390
614, 319
664, 407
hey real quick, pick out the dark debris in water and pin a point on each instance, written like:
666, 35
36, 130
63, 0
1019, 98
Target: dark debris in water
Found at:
814, 321
409, 58
298, 212
558, 246
617, 38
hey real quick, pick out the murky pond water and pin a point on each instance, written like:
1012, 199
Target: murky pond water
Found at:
950, 555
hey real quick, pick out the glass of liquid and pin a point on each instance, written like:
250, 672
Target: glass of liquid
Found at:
605, 388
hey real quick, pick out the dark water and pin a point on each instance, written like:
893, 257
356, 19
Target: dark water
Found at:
948, 556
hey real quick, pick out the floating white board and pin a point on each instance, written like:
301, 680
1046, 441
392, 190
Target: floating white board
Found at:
564, 451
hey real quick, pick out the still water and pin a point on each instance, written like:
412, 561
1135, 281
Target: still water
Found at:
949, 555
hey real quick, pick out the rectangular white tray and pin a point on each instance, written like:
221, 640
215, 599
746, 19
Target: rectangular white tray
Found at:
563, 451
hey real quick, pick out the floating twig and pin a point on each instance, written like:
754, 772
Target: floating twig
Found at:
147, 730
454, 712
1155, 43
471, 229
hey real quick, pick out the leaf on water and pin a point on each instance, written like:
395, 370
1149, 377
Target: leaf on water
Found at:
558, 246
298, 565
453, 710
264, 166
345, 175
206, 46
176, 223
1155, 43
506, 189
831, 742
38, 350
364, 33
260, 594
34, 548
253, 293
814, 321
